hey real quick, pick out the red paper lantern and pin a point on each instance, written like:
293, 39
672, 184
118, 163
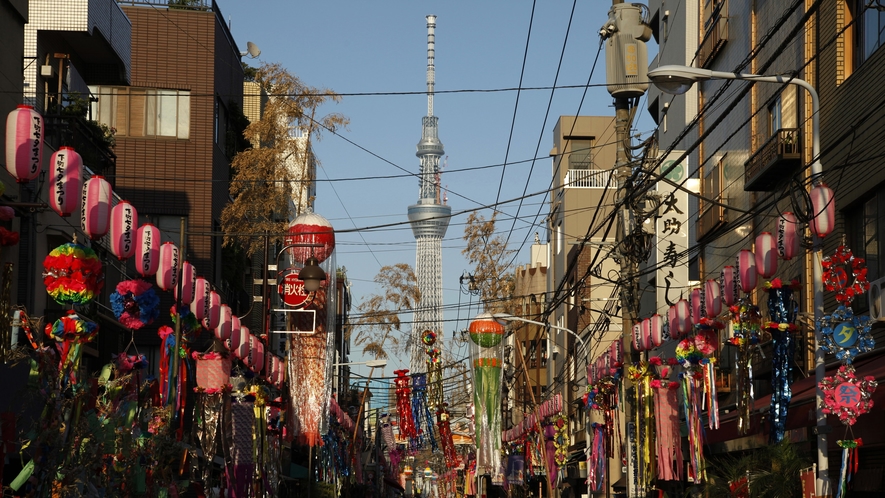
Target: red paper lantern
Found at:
223, 329
24, 143
747, 270
147, 250
713, 298
311, 229
787, 238
237, 336
766, 255
95, 210
64, 190
202, 299
656, 324
730, 290
234, 325
124, 220
244, 347
167, 273
213, 313
188, 283
823, 218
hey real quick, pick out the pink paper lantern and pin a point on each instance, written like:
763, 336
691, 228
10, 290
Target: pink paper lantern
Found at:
315, 233
787, 238
615, 352
680, 324
278, 372
823, 218
124, 220
147, 250
713, 298
64, 189
656, 325
237, 336
730, 290
637, 338
646, 334
188, 283
244, 347
167, 273
202, 299
213, 314
225, 323
24, 143
256, 355
747, 270
697, 302
766, 255
95, 210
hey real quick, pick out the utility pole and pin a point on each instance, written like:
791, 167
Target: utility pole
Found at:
626, 59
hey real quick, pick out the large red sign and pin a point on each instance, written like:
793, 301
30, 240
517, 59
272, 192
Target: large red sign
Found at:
291, 289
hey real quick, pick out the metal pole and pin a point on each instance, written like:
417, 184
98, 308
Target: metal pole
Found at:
173, 381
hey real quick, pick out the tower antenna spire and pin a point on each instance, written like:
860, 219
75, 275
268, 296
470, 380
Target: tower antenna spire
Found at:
431, 53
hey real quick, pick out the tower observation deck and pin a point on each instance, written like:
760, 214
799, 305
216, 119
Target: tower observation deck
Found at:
429, 219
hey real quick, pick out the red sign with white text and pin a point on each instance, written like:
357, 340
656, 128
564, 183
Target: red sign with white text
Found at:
291, 289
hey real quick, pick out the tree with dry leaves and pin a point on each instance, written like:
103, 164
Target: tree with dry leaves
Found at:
493, 266
378, 322
264, 182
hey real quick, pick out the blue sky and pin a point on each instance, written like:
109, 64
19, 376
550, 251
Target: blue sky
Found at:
380, 47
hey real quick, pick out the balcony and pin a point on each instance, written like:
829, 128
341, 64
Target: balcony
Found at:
714, 39
712, 218
587, 178
87, 138
775, 160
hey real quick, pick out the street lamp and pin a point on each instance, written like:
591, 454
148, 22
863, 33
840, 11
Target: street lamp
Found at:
677, 80
508, 317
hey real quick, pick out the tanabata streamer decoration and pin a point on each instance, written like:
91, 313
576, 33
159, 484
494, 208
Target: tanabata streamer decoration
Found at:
782, 312
850, 462
434, 369
72, 274
403, 383
836, 275
669, 446
486, 353
423, 418
315, 237
72, 331
845, 334
190, 326
746, 327
135, 304
846, 395
643, 436
445, 436
309, 368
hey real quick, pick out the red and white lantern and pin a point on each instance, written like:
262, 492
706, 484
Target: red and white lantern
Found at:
24, 143
697, 303
124, 223
730, 290
64, 191
680, 319
213, 314
234, 325
202, 299
713, 298
787, 236
167, 273
766, 255
637, 338
223, 329
646, 334
256, 355
656, 326
244, 345
95, 210
147, 250
747, 270
237, 336
615, 352
315, 235
823, 218
188, 283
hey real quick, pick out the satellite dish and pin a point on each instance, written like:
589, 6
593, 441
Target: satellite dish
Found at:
252, 50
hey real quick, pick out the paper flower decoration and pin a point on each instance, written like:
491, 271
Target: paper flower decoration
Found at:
687, 354
126, 363
72, 274
72, 328
135, 303
836, 278
845, 334
846, 395
189, 323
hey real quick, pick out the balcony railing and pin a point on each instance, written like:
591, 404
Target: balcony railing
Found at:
587, 178
776, 159
714, 39
712, 218
86, 139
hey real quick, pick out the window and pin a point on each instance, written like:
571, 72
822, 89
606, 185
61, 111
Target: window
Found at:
869, 29
774, 116
143, 112
865, 225
580, 156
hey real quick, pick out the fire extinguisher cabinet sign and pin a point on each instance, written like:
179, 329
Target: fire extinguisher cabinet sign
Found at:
291, 289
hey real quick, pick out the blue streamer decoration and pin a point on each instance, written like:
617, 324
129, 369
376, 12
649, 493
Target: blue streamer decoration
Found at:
420, 411
782, 310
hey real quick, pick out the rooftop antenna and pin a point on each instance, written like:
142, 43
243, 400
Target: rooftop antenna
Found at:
252, 50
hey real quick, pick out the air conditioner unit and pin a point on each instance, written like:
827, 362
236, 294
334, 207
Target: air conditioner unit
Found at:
877, 299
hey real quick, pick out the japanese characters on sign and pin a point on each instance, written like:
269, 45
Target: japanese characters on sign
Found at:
671, 234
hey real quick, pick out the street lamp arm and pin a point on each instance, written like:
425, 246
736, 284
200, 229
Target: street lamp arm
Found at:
508, 317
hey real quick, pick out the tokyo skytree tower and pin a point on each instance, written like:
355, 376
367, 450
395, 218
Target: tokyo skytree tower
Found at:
429, 219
